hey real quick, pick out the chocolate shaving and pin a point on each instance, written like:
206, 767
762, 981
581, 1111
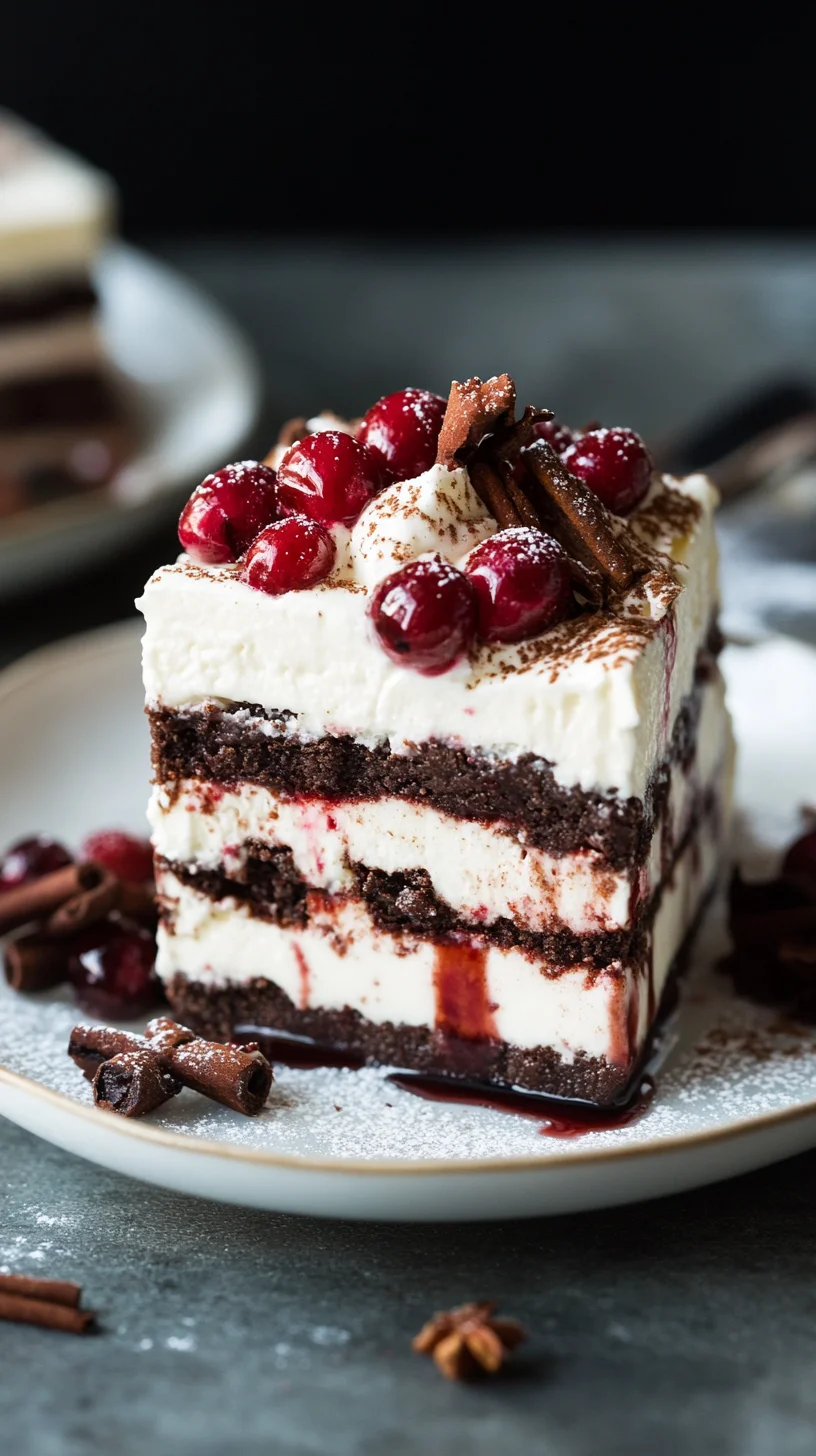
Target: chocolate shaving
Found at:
773, 927
474, 409
90, 1046
35, 962
34, 901
55, 1291
227, 1074
234, 1076
579, 520
88, 907
133, 1084
293, 430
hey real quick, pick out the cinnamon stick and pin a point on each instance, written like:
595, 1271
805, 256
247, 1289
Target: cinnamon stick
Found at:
89, 906
39, 898
49, 1314
35, 962
133, 1084
55, 1291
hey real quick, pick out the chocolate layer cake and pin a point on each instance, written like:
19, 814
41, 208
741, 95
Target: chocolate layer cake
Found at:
442, 775
61, 420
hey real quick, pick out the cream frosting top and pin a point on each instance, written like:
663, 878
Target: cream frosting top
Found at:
595, 696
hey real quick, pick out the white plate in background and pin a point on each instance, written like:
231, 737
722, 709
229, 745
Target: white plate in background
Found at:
738, 1091
196, 390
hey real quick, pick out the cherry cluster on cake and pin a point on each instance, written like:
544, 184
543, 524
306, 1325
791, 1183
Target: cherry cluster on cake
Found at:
280, 523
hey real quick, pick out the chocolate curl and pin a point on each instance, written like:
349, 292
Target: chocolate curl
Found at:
579, 520
291, 431
226, 1074
35, 962
133, 1084
42, 897
51, 1316
90, 1046
55, 1291
85, 909
474, 409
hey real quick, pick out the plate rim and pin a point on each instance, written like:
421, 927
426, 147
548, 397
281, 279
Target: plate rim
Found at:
114, 638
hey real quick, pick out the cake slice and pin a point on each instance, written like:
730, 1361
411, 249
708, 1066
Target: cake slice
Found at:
61, 420
442, 759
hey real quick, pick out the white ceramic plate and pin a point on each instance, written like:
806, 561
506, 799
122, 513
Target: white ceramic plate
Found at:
738, 1090
196, 390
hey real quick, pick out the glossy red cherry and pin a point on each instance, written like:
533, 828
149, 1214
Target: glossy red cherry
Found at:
29, 859
329, 477
522, 582
800, 860
424, 616
112, 967
288, 556
404, 428
226, 511
126, 855
556, 434
615, 464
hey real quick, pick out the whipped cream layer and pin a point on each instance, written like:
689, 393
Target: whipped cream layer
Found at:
55, 210
37, 350
596, 697
342, 960
482, 871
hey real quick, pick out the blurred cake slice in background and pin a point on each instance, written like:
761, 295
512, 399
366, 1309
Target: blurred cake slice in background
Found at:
63, 425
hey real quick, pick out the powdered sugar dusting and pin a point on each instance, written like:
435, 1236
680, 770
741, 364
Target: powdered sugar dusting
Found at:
731, 1062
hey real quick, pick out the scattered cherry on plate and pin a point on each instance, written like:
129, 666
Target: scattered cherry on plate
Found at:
112, 969
424, 615
125, 855
30, 859
615, 464
288, 556
226, 511
800, 861
329, 477
404, 428
522, 582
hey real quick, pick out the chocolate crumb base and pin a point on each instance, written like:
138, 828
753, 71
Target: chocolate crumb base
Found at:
44, 302
226, 747
87, 397
220, 1013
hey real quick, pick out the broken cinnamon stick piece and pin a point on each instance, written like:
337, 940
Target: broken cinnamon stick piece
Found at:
55, 1291
134, 1083
50, 1315
587, 530
475, 408
39, 898
88, 907
35, 962
227, 1074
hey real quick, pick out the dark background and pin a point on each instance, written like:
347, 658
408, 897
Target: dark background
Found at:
423, 119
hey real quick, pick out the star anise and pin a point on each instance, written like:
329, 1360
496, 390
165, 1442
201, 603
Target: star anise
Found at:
469, 1341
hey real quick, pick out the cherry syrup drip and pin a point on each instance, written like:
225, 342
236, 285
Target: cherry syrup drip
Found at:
559, 1117
284, 1049
460, 983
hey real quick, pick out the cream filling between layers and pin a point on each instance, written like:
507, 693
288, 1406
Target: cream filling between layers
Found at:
342, 960
482, 871
601, 713
35, 350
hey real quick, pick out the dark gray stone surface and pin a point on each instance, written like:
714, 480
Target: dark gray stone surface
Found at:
682, 1326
